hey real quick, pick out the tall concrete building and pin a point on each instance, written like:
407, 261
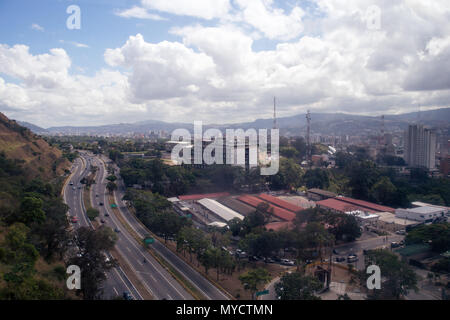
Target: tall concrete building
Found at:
420, 147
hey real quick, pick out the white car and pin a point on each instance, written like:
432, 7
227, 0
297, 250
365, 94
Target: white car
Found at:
287, 262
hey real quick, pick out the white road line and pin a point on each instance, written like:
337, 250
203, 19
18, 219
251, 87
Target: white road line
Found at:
137, 274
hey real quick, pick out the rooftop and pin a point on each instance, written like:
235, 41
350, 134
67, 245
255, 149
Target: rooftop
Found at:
219, 209
335, 204
202, 196
276, 211
323, 192
366, 204
279, 202
425, 210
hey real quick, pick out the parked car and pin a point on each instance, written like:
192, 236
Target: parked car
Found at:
106, 214
116, 230
287, 262
352, 258
340, 259
100, 204
102, 221
401, 232
74, 219
395, 244
335, 251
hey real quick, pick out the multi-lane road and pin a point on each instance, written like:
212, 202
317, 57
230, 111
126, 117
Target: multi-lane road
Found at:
148, 272
203, 285
117, 281
154, 277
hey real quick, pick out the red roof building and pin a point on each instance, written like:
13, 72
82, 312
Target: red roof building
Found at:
368, 205
276, 211
335, 205
280, 203
344, 204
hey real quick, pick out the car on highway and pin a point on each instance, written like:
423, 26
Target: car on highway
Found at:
127, 296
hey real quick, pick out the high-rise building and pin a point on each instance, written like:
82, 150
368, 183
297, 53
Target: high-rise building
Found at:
420, 147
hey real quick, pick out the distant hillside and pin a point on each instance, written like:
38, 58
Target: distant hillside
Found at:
32, 127
18, 142
324, 123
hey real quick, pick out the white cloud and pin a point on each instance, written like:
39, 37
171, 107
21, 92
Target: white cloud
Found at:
214, 73
37, 27
271, 21
205, 9
76, 44
139, 13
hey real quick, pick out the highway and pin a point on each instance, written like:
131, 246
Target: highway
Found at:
117, 282
154, 277
203, 285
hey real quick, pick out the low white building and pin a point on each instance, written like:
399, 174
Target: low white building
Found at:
364, 218
220, 210
421, 214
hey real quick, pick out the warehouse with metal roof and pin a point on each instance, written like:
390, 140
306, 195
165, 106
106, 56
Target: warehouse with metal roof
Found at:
220, 210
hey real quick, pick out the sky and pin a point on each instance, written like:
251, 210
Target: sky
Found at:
220, 61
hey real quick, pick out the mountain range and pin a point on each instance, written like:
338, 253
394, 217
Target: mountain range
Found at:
323, 123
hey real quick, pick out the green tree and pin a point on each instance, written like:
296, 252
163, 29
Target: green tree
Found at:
383, 191
31, 210
111, 178
92, 213
111, 186
296, 286
400, 278
91, 259
253, 279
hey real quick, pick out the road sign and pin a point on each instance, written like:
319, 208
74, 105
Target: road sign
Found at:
261, 293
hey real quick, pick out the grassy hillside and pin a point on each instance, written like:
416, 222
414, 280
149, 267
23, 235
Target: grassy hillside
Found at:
33, 223
40, 159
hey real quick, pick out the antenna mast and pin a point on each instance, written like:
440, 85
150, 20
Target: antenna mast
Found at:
274, 113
